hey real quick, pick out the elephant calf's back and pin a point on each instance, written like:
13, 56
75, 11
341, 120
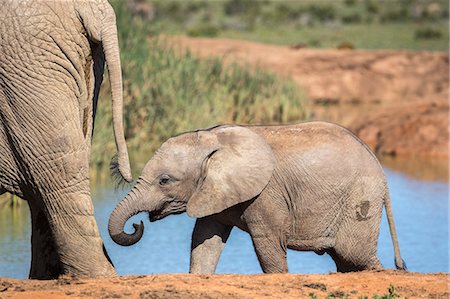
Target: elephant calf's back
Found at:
325, 148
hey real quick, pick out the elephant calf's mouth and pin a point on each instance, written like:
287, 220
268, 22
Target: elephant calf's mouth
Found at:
175, 208
154, 216
160, 215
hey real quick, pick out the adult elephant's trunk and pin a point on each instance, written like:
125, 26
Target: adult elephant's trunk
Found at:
131, 205
112, 57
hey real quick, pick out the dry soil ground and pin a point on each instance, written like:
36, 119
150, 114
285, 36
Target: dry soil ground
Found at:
355, 285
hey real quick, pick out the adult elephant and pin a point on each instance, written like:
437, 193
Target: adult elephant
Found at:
52, 56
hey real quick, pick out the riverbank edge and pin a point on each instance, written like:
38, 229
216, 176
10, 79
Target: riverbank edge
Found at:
364, 284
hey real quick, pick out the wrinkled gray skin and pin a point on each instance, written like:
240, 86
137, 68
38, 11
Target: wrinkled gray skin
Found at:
52, 58
309, 187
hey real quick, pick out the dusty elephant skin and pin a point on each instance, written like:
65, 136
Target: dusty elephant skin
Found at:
308, 187
52, 57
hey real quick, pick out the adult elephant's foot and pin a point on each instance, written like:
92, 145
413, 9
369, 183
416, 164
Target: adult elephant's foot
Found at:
67, 242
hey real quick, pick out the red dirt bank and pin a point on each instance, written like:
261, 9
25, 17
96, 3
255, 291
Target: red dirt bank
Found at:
396, 101
412, 285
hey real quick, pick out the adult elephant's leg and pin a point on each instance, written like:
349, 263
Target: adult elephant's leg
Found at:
53, 159
65, 236
45, 261
208, 240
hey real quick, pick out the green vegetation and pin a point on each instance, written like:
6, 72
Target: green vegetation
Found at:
10, 201
167, 93
367, 24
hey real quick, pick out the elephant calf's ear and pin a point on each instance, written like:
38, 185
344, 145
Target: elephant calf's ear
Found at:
238, 171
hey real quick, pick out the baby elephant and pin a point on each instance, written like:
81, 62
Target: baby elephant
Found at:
310, 187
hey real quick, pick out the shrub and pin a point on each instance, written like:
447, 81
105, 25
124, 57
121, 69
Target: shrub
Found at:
351, 18
395, 15
427, 33
372, 7
322, 12
345, 45
241, 7
285, 12
203, 29
350, 2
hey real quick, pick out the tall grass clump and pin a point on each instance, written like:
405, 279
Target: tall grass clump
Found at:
10, 201
167, 92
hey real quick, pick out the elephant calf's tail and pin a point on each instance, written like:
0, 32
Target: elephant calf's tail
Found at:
399, 262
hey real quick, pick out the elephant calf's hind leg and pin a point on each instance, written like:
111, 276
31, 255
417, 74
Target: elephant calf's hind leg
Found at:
355, 248
271, 254
346, 264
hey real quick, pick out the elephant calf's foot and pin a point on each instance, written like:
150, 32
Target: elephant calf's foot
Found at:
353, 264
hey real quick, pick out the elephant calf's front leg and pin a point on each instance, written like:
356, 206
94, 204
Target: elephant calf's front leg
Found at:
208, 240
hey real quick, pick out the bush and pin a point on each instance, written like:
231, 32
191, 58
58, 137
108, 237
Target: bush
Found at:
322, 12
352, 18
345, 45
241, 7
169, 10
372, 7
349, 2
205, 29
285, 12
427, 33
395, 15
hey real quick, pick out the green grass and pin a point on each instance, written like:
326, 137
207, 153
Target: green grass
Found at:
362, 36
166, 93
367, 24
10, 201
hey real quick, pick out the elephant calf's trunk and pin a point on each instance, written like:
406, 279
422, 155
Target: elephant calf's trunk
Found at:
124, 210
124, 239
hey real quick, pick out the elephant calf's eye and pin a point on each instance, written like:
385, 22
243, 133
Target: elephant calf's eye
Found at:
164, 179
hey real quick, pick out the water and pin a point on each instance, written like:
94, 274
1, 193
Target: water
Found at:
420, 207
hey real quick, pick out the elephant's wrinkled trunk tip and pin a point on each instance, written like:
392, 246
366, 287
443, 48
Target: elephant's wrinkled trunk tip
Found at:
128, 207
125, 239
